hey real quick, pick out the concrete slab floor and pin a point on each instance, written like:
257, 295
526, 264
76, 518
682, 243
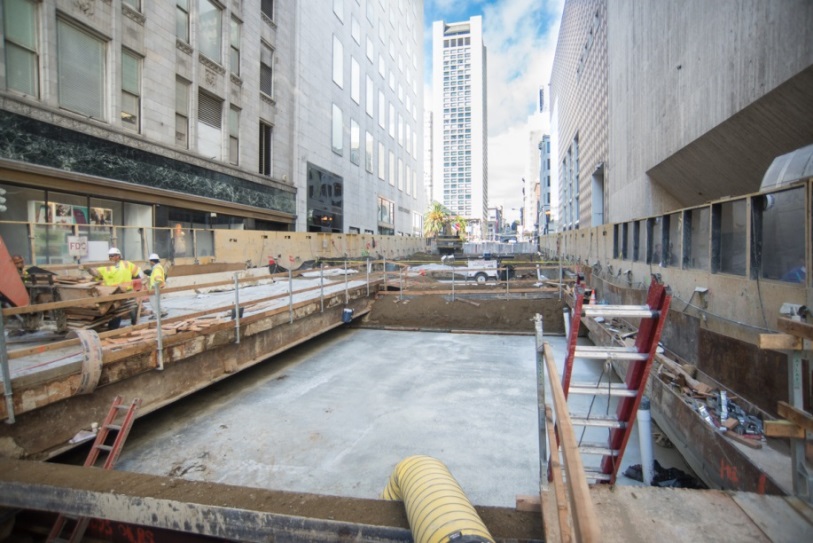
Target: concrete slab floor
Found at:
336, 415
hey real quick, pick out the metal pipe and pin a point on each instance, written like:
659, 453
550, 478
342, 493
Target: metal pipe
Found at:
236, 309
346, 294
540, 403
6, 373
644, 418
290, 296
368, 276
385, 273
322, 287
159, 333
566, 315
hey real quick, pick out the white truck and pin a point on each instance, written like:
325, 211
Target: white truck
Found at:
483, 269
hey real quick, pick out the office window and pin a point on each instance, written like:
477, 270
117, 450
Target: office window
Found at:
234, 135
338, 9
392, 169
266, 70
355, 81
370, 50
382, 110
181, 113
336, 132
182, 20
369, 144
234, 37
382, 162
135, 4
355, 142
355, 29
22, 57
370, 98
209, 29
778, 244
338, 62
210, 123
729, 240
267, 8
266, 131
81, 75
392, 121
130, 91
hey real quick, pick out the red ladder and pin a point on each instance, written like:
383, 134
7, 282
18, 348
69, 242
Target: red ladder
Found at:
640, 357
121, 428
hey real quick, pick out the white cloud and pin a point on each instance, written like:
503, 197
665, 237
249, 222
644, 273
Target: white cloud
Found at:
520, 37
520, 56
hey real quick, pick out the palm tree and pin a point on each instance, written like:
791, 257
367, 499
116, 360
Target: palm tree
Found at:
435, 220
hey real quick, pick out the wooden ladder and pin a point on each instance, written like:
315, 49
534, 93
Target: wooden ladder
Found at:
119, 427
639, 360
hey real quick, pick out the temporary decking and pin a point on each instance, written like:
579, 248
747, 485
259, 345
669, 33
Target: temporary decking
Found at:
52, 385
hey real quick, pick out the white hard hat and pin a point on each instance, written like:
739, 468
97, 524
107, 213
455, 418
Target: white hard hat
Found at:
155, 257
113, 251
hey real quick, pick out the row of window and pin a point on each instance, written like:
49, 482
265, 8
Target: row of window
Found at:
405, 177
82, 76
761, 234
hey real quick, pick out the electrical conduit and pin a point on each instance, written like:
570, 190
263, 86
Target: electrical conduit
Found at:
437, 509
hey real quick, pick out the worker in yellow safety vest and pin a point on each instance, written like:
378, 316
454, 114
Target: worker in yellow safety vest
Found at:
158, 278
120, 273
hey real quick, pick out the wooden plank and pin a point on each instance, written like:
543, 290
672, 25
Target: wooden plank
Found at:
583, 513
795, 415
557, 526
795, 328
753, 443
779, 342
475, 304
783, 428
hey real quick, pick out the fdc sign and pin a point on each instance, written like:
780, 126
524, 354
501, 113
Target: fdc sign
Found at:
77, 246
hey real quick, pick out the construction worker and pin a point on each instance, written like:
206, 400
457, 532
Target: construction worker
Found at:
19, 263
120, 273
158, 277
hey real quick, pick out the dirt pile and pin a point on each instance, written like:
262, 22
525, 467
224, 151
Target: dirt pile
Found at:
439, 312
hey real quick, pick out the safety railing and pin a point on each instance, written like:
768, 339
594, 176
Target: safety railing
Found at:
347, 281
567, 508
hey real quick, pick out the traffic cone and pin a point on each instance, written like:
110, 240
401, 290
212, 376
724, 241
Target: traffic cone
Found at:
592, 297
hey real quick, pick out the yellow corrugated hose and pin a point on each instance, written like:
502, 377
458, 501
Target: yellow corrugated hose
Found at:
437, 509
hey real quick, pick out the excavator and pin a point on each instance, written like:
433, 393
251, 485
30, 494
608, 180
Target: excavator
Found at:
38, 288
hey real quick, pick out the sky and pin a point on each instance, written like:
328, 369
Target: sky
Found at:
520, 38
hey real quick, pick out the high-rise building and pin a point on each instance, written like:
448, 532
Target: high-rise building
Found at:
545, 192
460, 130
359, 104
429, 186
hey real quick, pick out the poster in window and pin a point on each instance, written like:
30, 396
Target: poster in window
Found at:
101, 216
44, 212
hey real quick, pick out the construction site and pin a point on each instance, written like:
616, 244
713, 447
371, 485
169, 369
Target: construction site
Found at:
268, 403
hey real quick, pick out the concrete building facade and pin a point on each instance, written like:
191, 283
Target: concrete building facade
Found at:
188, 115
460, 130
359, 120
699, 141
579, 111
147, 114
